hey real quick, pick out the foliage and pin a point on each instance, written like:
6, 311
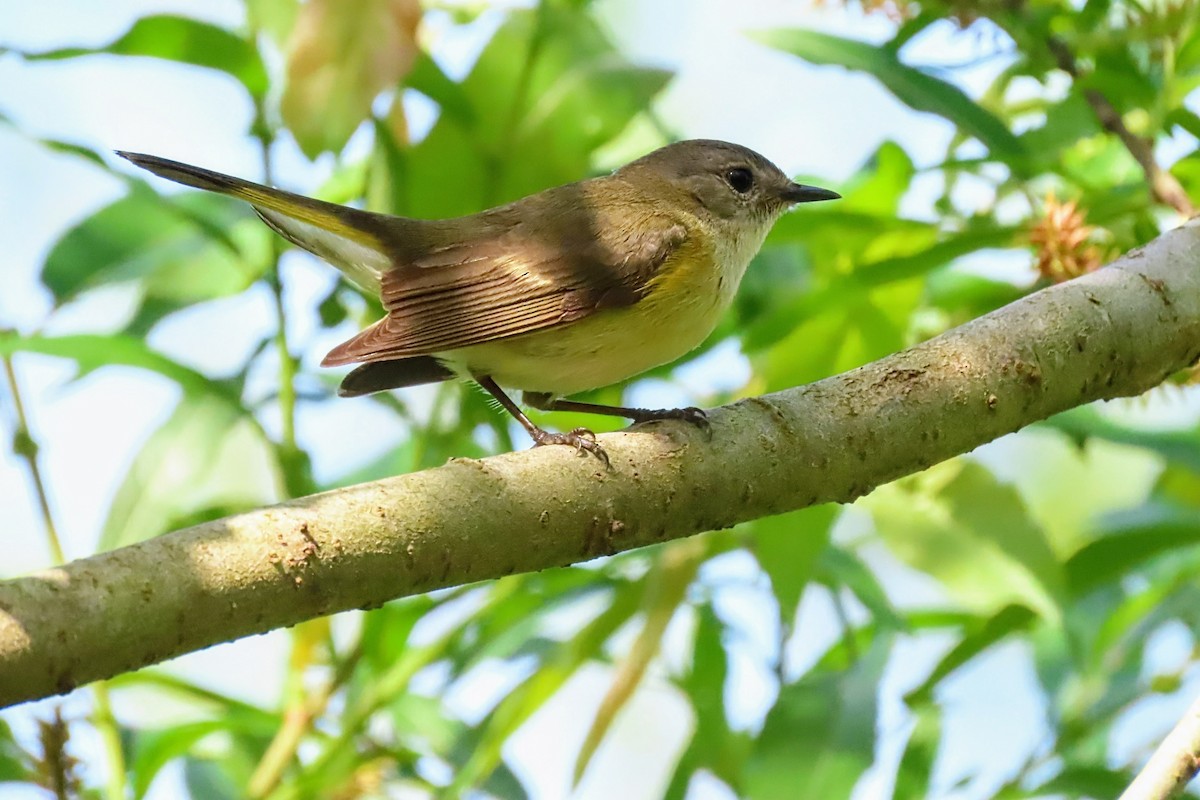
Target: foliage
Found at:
1047, 551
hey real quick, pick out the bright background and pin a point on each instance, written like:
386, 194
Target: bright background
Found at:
810, 120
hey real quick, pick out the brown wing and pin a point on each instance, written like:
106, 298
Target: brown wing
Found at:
544, 261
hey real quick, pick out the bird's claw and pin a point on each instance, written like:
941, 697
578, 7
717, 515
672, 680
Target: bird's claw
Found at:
582, 439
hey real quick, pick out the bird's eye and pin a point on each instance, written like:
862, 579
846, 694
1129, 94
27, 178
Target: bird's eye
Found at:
740, 179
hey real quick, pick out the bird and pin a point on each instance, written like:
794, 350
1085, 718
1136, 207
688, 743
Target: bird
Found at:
570, 289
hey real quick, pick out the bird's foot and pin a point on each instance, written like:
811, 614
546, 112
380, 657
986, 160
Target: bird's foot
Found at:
583, 440
691, 415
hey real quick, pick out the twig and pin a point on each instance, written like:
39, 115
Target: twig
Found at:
1163, 185
102, 717
297, 721
1173, 764
26, 447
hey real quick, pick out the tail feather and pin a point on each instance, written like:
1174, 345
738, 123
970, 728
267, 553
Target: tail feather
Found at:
345, 237
380, 376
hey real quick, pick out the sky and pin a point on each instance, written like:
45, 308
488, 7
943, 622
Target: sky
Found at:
812, 121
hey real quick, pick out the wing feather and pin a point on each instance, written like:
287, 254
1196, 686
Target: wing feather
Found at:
517, 280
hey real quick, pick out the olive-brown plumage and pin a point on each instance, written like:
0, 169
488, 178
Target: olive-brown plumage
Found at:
575, 287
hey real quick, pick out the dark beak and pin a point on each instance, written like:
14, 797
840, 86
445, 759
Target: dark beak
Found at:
799, 193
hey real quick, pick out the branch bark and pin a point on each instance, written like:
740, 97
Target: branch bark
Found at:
1116, 332
1173, 764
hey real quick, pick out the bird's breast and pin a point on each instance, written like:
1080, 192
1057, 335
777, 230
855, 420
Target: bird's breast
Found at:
682, 305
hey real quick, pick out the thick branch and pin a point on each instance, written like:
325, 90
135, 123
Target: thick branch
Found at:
1116, 332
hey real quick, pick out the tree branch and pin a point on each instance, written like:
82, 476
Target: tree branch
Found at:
1115, 332
1173, 764
1163, 185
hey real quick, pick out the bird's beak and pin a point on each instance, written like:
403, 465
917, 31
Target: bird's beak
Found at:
799, 193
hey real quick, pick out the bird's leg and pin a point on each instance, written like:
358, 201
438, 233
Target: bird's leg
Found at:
546, 402
581, 439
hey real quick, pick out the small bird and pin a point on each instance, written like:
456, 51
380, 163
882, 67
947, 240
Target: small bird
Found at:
573, 288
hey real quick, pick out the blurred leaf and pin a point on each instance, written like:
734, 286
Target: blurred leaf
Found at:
1118, 74
959, 524
713, 746
552, 88
665, 591
92, 351
56, 145
819, 737
1084, 780
428, 78
877, 188
425, 723
206, 779
14, 762
514, 626
849, 336
209, 457
838, 567
1128, 540
276, 18
1067, 122
788, 546
181, 39
915, 771
152, 750
533, 692
189, 692
1086, 422
195, 247
341, 55
978, 637
1100, 162
911, 86
968, 296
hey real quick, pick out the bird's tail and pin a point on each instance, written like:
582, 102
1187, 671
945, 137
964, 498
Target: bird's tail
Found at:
349, 238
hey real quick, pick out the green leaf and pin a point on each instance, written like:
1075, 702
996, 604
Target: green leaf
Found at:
1066, 123
208, 459
1086, 422
15, 763
787, 547
57, 145
977, 638
276, 18
819, 738
553, 89
195, 247
1130, 539
92, 351
967, 296
852, 334
915, 770
205, 779
839, 568
1084, 780
153, 750
959, 524
181, 39
714, 746
551, 675
911, 86
428, 78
